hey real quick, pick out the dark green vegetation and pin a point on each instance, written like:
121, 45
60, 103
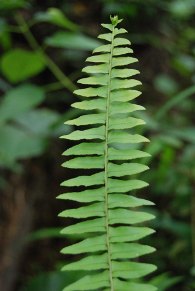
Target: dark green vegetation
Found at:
42, 51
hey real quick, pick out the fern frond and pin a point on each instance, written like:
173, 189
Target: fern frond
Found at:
108, 216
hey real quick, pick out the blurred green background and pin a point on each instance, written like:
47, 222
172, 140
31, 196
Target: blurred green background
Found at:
43, 47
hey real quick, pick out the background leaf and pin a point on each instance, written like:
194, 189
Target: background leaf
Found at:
70, 40
17, 144
40, 121
19, 100
19, 64
55, 16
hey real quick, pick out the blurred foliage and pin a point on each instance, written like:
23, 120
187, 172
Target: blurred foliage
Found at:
43, 46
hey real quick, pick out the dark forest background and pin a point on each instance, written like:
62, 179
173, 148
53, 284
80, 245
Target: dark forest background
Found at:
43, 47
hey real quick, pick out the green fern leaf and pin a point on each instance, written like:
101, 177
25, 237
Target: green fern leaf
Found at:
95, 179
125, 95
85, 163
91, 282
115, 170
124, 216
88, 245
95, 209
92, 133
93, 225
98, 104
129, 250
124, 201
105, 143
125, 154
128, 234
124, 286
87, 119
84, 149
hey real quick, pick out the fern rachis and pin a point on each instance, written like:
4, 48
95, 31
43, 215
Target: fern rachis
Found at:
109, 220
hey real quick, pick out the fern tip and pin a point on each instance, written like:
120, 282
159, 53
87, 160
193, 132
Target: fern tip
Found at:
114, 20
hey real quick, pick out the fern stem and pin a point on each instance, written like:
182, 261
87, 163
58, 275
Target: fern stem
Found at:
63, 79
106, 166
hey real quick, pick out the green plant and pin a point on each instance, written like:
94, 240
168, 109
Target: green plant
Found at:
25, 129
108, 151
163, 37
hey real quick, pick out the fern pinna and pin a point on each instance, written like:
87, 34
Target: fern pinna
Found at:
108, 218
